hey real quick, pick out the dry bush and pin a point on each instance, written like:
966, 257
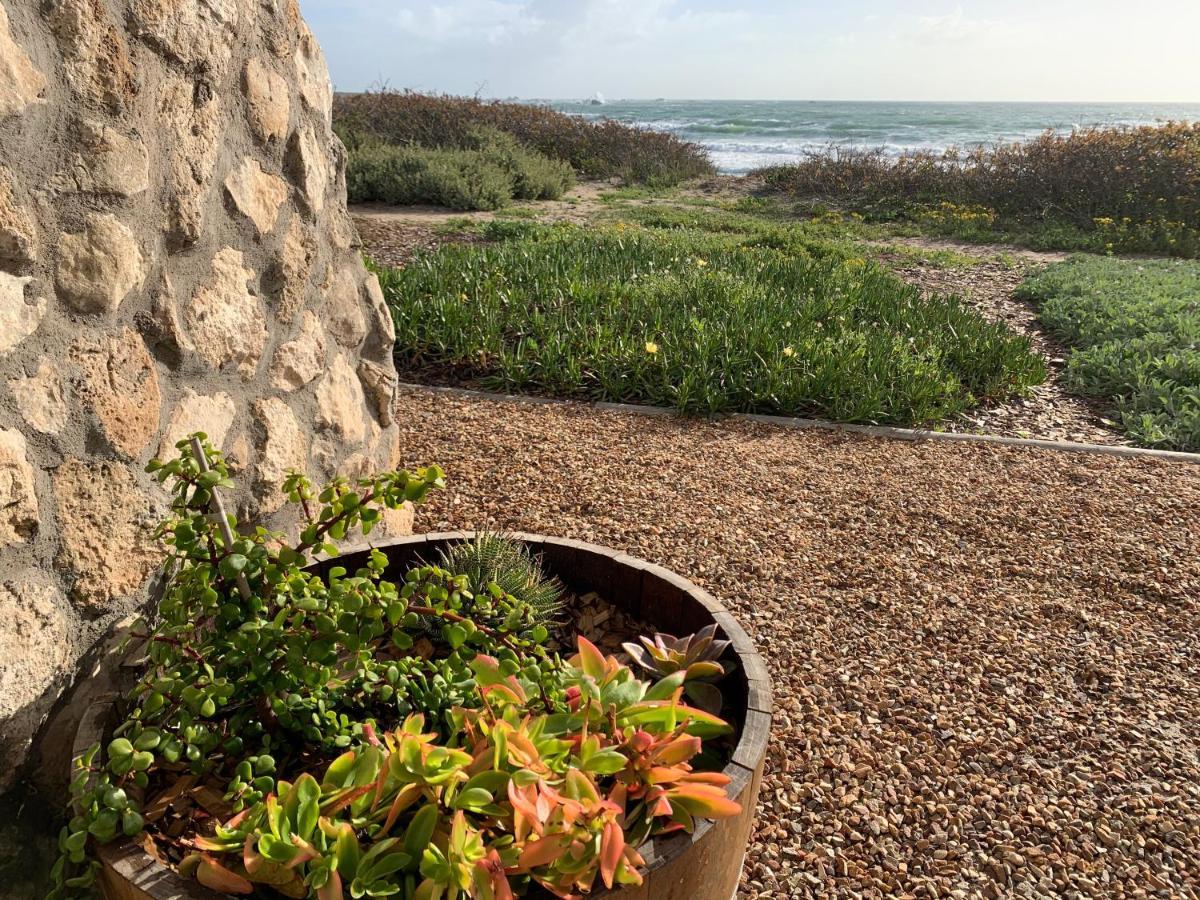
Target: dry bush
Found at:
595, 149
1134, 188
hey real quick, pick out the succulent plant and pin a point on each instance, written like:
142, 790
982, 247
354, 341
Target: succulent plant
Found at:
696, 655
509, 767
518, 796
494, 559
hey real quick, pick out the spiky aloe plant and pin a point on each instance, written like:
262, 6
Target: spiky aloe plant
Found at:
491, 558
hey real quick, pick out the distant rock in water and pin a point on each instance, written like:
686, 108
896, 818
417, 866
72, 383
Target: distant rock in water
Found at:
597, 100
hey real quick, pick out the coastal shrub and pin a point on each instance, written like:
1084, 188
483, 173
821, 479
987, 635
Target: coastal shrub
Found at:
705, 323
1135, 329
347, 749
488, 175
1119, 189
596, 149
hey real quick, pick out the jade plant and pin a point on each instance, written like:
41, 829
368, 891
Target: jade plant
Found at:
362, 752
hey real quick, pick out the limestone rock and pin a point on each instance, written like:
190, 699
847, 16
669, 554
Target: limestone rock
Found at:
298, 362
381, 327
268, 104
20, 82
41, 398
120, 387
282, 449
237, 455
196, 412
193, 32
313, 75
226, 323
162, 328
190, 114
18, 318
256, 194
96, 57
18, 499
292, 269
18, 234
343, 313
36, 652
340, 402
380, 383
342, 232
99, 266
396, 522
112, 163
100, 509
310, 168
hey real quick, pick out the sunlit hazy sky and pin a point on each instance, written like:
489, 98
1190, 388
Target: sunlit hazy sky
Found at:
1079, 50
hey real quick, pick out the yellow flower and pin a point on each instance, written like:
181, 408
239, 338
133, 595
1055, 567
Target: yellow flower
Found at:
789, 352
702, 262
651, 347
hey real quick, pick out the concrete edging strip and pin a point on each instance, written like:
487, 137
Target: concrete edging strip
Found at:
879, 431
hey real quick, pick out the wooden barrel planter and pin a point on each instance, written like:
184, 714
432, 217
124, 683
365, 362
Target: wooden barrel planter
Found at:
705, 865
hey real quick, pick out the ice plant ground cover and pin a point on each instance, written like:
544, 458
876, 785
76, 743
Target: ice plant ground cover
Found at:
1134, 325
769, 321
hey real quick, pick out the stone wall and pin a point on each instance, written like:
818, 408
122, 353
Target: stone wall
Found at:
175, 255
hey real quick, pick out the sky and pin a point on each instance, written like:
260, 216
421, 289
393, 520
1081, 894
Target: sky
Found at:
1026, 50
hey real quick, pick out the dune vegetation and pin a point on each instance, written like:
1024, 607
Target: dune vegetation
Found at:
436, 148
1121, 190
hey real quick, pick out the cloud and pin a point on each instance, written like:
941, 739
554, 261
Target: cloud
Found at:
461, 21
954, 27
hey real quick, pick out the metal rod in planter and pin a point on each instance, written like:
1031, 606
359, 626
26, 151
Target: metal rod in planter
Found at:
218, 508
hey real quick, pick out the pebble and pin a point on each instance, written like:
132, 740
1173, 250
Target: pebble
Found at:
960, 735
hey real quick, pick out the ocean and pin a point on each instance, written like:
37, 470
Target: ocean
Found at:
746, 134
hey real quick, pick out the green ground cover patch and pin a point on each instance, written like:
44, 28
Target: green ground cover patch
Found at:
704, 321
488, 175
1135, 327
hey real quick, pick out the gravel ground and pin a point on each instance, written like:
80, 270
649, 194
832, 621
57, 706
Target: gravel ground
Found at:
1050, 411
985, 658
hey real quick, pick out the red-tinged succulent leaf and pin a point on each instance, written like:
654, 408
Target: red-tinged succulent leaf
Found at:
215, 845
579, 787
705, 669
542, 852
331, 889
342, 800
262, 871
490, 880
407, 796
212, 874
306, 852
678, 751
590, 659
720, 779
612, 847
705, 801
189, 864
487, 670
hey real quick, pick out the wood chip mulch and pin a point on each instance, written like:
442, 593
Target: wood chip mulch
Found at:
984, 657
